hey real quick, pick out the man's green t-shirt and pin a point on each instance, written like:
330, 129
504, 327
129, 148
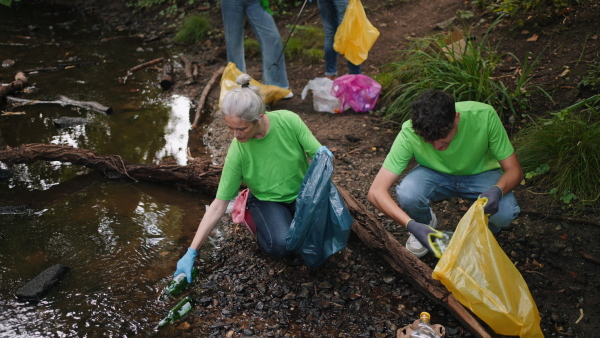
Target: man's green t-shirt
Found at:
272, 167
481, 141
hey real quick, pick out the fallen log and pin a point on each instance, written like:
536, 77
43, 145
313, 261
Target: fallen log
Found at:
203, 96
198, 175
19, 83
140, 67
372, 233
166, 79
63, 101
188, 66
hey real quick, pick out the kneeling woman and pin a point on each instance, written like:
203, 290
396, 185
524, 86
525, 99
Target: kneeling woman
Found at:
270, 155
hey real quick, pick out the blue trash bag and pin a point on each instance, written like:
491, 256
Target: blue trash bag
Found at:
322, 223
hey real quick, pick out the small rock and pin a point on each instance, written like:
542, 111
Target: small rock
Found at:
185, 326
42, 283
8, 63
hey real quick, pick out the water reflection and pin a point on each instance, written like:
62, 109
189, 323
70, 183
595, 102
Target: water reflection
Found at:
177, 130
121, 245
120, 238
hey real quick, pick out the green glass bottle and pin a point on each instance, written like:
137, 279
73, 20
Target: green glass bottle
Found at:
178, 311
179, 283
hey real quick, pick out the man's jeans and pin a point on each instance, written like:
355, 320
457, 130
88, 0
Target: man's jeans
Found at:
332, 13
233, 11
273, 220
422, 185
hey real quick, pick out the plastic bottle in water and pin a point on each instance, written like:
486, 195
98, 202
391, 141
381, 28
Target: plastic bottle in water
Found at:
178, 311
179, 283
424, 329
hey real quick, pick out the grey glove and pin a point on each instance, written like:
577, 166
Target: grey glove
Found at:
420, 231
494, 195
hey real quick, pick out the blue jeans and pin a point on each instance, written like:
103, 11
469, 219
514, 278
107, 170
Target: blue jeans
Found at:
423, 185
273, 220
332, 13
263, 25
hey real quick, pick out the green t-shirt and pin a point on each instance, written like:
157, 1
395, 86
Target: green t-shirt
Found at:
481, 141
272, 167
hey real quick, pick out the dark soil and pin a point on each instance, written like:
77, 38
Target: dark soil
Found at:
355, 294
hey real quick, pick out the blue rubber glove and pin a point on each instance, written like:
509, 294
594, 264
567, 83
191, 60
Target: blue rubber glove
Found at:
420, 231
186, 263
326, 150
494, 195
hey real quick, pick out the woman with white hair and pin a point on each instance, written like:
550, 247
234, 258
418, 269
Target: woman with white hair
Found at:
269, 154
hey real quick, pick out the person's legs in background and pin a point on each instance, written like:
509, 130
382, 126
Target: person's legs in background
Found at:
233, 12
273, 220
265, 29
332, 14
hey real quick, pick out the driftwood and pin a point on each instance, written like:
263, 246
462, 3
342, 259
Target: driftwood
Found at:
372, 233
61, 66
203, 96
203, 176
199, 175
19, 83
166, 79
140, 67
63, 101
188, 69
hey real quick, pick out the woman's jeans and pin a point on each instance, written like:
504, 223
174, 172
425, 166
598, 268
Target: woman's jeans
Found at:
332, 13
273, 220
233, 12
423, 185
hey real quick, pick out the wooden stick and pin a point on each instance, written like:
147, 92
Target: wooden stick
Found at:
166, 80
145, 65
187, 69
204, 94
139, 67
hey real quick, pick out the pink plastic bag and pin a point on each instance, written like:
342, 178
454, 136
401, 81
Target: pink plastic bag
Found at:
240, 214
358, 92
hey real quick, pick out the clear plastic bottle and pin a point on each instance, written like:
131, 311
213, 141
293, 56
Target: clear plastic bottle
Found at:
424, 329
442, 243
178, 311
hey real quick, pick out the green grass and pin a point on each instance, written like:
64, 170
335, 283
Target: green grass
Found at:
194, 29
251, 47
306, 44
466, 72
566, 147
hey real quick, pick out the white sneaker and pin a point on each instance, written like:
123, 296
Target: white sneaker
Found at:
288, 96
413, 245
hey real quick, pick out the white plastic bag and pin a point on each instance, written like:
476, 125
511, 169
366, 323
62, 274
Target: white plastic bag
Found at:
323, 101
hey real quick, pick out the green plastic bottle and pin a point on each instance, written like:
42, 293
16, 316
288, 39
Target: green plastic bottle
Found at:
178, 311
179, 283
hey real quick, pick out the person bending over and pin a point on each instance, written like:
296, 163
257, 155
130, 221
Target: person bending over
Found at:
269, 154
461, 150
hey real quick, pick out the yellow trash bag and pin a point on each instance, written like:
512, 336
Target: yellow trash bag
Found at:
475, 269
356, 35
269, 93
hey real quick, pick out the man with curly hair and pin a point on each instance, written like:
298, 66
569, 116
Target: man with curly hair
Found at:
461, 150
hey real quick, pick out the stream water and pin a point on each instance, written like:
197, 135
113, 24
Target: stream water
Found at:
121, 239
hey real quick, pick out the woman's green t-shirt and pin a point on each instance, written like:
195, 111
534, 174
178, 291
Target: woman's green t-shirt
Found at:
272, 167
